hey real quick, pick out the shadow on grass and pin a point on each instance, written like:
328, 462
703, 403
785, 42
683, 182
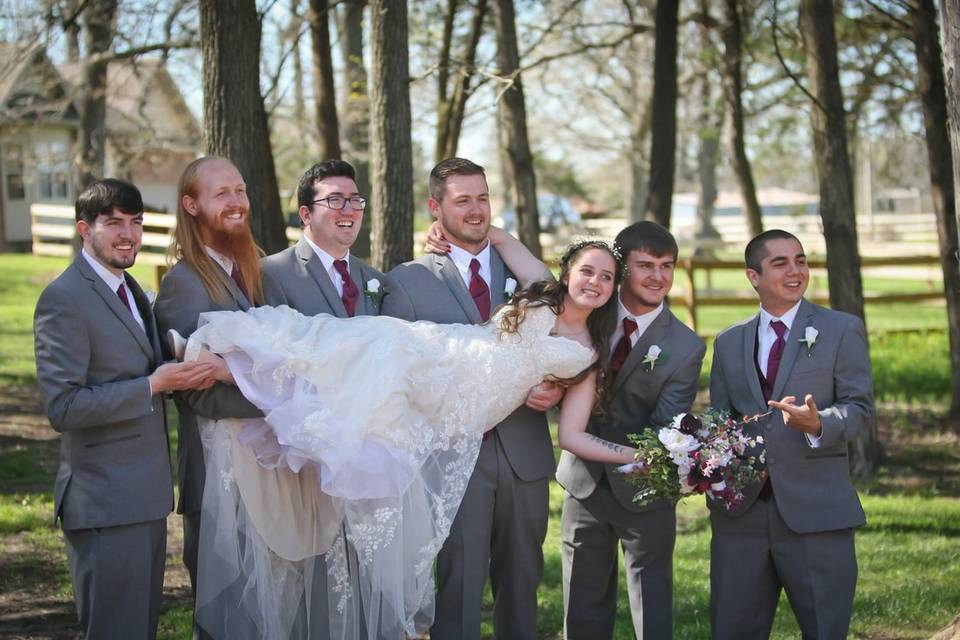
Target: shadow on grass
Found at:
27, 465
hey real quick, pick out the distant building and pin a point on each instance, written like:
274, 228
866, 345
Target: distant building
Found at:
151, 133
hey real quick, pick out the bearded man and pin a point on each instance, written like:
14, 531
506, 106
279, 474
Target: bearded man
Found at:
217, 269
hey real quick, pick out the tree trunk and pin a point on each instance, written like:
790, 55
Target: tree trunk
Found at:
836, 190
833, 162
639, 131
663, 141
293, 35
356, 112
930, 83
72, 30
391, 147
950, 30
461, 88
711, 116
443, 74
99, 18
234, 118
733, 90
328, 127
452, 111
513, 113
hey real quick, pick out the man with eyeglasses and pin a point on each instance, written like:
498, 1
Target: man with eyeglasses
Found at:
318, 275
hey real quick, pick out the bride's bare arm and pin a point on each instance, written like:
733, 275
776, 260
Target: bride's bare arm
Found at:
515, 254
518, 258
572, 431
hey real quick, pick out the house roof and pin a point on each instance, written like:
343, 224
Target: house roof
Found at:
30, 87
143, 102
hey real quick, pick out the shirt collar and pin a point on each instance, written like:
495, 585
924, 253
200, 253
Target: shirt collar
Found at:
112, 280
462, 258
325, 258
644, 320
225, 262
766, 317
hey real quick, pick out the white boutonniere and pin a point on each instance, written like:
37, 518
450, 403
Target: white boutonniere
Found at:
509, 287
373, 290
809, 338
652, 357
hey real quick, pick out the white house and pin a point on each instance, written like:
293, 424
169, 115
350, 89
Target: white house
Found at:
151, 133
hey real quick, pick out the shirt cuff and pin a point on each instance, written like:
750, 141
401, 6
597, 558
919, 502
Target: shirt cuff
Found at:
814, 441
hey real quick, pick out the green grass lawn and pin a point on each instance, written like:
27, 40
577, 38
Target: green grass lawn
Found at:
909, 582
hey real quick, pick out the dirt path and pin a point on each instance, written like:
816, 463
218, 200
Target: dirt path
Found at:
36, 600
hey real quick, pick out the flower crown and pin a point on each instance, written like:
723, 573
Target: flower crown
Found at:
577, 245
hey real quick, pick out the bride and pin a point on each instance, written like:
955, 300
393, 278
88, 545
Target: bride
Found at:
372, 428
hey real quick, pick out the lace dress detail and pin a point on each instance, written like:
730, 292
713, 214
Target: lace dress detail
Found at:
390, 415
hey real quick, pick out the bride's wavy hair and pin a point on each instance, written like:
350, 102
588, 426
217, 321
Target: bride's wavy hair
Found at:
600, 323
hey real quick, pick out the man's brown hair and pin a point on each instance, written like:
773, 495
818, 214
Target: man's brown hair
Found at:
451, 167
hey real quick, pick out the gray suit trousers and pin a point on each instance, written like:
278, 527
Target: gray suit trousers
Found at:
756, 555
591, 530
117, 575
501, 517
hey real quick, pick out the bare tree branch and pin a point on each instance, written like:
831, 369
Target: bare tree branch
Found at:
775, 28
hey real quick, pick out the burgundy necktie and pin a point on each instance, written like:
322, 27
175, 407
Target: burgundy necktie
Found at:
122, 294
350, 292
622, 350
479, 290
773, 360
238, 278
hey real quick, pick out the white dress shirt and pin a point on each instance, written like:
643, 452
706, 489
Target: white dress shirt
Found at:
114, 282
766, 337
462, 258
225, 262
644, 320
327, 260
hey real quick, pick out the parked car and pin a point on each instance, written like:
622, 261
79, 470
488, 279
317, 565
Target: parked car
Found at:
556, 212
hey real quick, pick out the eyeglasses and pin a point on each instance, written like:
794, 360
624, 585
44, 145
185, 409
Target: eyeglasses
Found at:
339, 202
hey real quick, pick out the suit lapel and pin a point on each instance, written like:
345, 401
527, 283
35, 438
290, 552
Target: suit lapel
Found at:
792, 348
365, 306
498, 280
748, 350
655, 334
112, 300
449, 273
149, 322
238, 296
310, 261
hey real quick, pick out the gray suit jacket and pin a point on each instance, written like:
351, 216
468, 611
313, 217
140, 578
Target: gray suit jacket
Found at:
181, 300
296, 277
812, 486
93, 360
642, 399
431, 288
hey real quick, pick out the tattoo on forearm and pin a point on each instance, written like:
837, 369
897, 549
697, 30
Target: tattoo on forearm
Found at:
606, 443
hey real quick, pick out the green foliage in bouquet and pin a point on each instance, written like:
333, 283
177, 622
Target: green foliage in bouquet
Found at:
661, 481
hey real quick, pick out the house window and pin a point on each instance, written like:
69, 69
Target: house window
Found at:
53, 167
13, 171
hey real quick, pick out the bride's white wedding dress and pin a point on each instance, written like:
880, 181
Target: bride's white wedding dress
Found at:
372, 429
